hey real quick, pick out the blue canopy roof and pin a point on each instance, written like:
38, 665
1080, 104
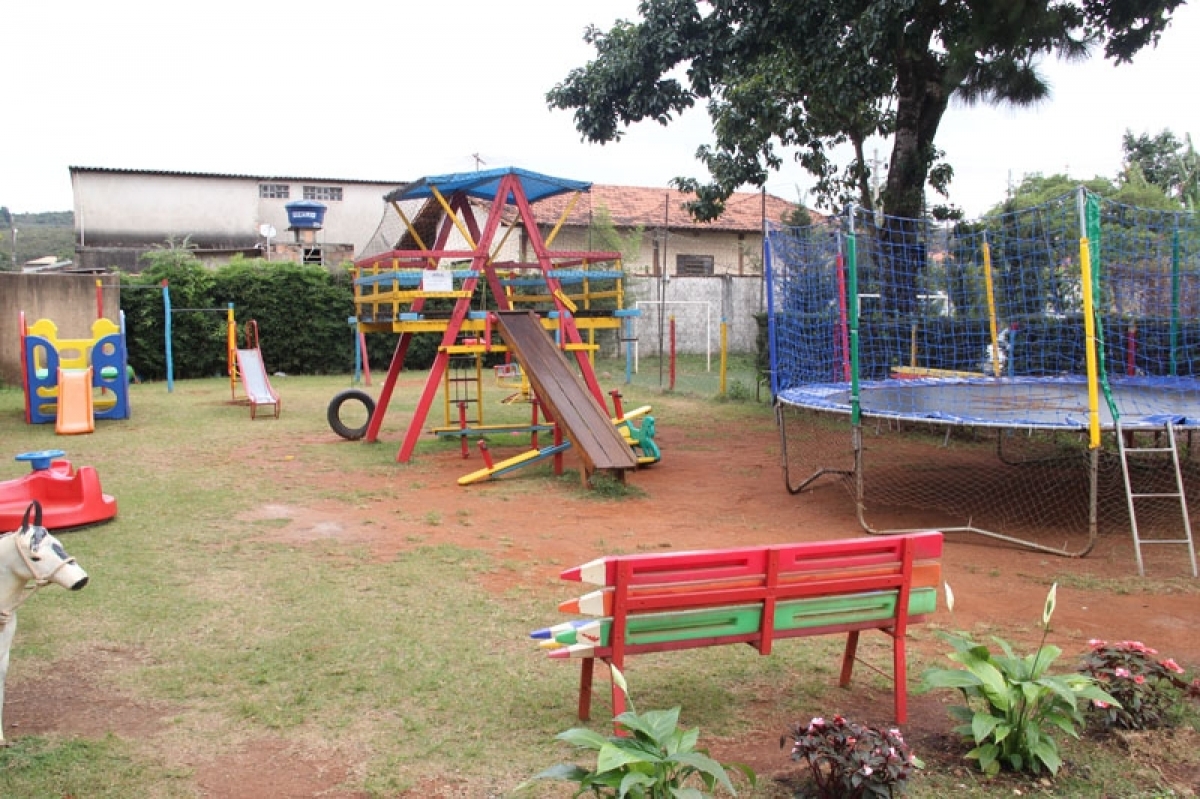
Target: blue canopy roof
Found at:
484, 184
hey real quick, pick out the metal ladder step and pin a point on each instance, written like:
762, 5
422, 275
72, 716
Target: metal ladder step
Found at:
1131, 496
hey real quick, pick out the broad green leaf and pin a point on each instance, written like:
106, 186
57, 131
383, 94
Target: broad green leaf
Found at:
705, 764
1006, 646
994, 684
1064, 723
982, 725
1033, 693
687, 740
947, 678
583, 738
634, 780
1045, 657
1047, 752
986, 755
563, 771
658, 724
614, 757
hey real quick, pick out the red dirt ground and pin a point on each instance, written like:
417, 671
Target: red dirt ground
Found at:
697, 497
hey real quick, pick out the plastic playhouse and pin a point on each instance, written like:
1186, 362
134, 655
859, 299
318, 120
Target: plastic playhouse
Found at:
73, 382
70, 497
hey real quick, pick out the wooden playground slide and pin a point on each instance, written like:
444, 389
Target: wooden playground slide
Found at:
585, 423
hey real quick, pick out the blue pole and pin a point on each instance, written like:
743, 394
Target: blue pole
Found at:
353, 322
167, 336
629, 349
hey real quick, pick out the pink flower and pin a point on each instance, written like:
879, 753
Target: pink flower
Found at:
1096, 643
1122, 672
1170, 665
1139, 679
1137, 646
1100, 704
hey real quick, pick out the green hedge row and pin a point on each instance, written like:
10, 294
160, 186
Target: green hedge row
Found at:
301, 312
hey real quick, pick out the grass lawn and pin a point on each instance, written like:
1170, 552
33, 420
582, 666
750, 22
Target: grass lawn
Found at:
206, 633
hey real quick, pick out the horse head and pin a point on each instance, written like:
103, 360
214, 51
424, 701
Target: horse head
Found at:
43, 557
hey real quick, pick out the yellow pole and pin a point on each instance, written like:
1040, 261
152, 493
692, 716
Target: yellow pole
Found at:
1089, 330
991, 301
231, 349
562, 219
462, 231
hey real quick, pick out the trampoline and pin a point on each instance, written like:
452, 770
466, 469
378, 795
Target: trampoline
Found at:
1035, 403
1067, 332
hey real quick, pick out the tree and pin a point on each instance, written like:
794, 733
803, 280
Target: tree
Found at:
1166, 162
814, 74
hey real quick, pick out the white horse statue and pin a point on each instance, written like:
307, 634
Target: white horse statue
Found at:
29, 558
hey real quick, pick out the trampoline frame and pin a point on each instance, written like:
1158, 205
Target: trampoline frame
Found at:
1101, 415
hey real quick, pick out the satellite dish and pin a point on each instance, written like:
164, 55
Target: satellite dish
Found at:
267, 231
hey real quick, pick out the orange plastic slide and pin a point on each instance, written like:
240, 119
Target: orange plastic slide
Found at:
75, 411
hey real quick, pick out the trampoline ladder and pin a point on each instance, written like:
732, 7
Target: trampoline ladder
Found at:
1132, 496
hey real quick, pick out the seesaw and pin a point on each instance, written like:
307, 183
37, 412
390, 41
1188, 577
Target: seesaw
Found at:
638, 438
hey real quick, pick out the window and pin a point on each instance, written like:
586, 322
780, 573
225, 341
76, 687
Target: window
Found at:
323, 193
693, 265
273, 191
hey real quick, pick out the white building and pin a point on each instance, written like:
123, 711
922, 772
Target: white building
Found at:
122, 213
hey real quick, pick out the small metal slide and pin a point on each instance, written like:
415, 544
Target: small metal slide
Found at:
255, 382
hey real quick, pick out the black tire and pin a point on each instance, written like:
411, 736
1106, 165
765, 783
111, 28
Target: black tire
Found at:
334, 414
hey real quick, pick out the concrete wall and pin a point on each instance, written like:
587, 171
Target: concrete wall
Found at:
67, 300
699, 304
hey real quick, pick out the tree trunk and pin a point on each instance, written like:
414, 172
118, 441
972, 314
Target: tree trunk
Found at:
921, 101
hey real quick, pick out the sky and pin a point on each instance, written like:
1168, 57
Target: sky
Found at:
357, 89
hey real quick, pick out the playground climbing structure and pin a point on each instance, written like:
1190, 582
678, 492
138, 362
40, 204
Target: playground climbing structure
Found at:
448, 253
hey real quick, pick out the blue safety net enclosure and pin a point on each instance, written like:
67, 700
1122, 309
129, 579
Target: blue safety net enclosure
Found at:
1032, 376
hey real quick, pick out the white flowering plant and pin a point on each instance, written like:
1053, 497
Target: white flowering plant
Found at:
853, 761
1147, 688
1013, 706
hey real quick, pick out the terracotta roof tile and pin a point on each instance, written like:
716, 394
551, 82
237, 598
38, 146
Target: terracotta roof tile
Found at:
632, 206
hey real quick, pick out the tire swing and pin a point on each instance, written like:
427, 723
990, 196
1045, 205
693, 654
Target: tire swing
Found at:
334, 415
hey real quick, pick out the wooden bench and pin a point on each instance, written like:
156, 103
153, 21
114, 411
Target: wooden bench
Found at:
749, 595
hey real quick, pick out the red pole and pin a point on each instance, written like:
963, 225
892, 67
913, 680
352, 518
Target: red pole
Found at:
487, 456
618, 411
671, 385
533, 424
366, 362
1131, 351
843, 338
